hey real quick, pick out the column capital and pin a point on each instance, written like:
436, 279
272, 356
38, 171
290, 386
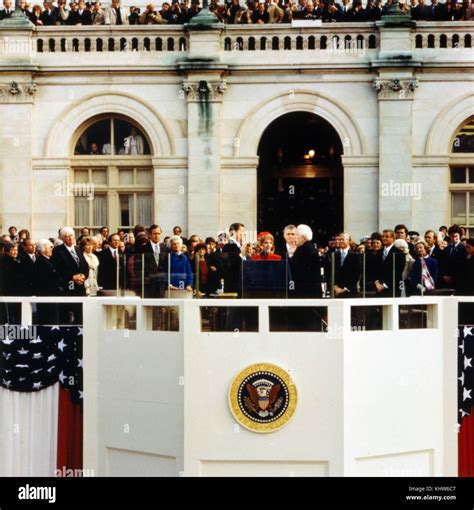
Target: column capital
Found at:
14, 92
203, 90
395, 88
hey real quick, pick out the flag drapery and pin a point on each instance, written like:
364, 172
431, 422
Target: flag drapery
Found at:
35, 359
466, 401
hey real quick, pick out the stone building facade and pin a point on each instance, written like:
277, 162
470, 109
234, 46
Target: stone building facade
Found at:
396, 101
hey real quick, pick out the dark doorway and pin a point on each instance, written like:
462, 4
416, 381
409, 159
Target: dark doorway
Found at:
300, 176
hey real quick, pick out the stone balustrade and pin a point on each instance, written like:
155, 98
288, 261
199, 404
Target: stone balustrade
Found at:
451, 35
246, 38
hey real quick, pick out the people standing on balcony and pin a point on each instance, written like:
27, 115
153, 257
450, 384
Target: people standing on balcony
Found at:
116, 14
47, 16
421, 12
467, 10
356, 12
134, 16
60, 13
35, 16
97, 14
372, 11
260, 16
151, 16
7, 10
166, 12
78, 14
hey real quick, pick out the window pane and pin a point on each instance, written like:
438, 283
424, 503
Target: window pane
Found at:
471, 208
81, 176
81, 211
144, 209
94, 139
99, 176
464, 139
458, 175
459, 207
229, 318
126, 210
129, 139
471, 174
145, 177
126, 177
99, 205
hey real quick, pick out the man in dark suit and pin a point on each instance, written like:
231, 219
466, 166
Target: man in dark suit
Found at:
48, 17
73, 270
7, 11
109, 260
421, 12
393, 262
79, 15
346, 269
155, 264
215, 263
231, 259
454, 263
28, 261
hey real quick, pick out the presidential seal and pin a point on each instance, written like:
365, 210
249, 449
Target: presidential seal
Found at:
262, 397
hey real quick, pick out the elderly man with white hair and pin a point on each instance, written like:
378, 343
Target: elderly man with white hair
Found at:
70, 263
73, 271
305, 266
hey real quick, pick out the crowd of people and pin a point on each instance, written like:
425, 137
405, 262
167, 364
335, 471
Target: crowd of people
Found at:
394, 262
235, 11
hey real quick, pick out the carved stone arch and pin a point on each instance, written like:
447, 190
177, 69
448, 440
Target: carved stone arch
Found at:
251, 129
160, 133
446, 125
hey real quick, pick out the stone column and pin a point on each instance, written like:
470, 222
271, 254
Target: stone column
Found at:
51, 178
360, 195
204, 95
17, 91
170, 197
239, 192
16, 103
395, 89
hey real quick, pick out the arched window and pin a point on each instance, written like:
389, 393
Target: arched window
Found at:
462, 177
112, 174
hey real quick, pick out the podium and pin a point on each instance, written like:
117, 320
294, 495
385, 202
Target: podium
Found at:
377, 402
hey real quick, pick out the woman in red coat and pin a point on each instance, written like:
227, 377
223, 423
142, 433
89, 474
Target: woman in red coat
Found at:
267, 247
